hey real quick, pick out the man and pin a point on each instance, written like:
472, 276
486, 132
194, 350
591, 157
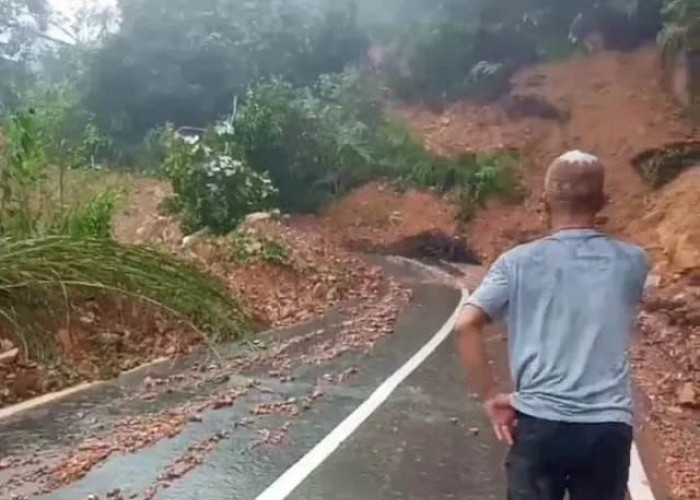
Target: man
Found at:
569, 301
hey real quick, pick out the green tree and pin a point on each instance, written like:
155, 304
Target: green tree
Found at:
183, 62
21, 22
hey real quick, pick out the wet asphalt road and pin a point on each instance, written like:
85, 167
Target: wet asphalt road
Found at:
429, 441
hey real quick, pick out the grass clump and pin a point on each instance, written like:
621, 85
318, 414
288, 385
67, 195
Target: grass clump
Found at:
53, 274
55, 255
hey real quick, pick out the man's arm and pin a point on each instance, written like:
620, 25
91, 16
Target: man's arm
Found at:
472, 349
488, 303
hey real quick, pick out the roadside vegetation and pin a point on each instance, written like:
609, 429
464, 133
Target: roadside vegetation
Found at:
247, 107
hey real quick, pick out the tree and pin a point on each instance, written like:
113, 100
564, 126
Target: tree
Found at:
183, 62
21, 22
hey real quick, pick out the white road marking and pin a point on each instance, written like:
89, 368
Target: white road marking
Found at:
294, 476
638, 484
52, 397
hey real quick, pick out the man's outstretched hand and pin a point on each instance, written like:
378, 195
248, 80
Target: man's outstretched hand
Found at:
502, 415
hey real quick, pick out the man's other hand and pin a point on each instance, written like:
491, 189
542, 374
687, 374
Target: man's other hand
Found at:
502, 415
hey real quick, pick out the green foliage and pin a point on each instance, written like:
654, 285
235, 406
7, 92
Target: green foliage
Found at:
315, 141
50, 275
28, 204
471, 49
681, 29
473, 178
315, 144
660, 167
21, 21
66, 131
22, 169
214, 187
183, 62
95, 219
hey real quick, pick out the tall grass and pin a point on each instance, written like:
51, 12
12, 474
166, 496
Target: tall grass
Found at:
42, 280
55, 255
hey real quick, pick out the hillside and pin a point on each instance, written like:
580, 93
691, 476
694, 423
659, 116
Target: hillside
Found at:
613, 105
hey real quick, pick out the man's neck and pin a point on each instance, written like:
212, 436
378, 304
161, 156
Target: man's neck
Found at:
572, 222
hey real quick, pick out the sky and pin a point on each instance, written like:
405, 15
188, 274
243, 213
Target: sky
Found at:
67, 5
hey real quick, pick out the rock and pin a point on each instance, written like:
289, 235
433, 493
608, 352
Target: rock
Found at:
319, 291
6, 345
688, 396
110, 338
65, 339
474, 431
692, 318
257, 217
9, 357
189, 241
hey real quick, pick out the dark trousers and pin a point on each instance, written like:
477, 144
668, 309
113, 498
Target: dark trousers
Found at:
589, 461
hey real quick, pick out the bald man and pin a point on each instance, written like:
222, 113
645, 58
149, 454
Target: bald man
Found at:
569, 301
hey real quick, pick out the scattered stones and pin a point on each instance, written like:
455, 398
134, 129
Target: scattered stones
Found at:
9, 357
689, 396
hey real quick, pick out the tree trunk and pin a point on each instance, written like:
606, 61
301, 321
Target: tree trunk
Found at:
693, 66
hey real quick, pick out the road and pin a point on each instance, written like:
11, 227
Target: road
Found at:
426, 440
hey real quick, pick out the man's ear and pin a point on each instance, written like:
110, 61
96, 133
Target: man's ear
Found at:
546, 204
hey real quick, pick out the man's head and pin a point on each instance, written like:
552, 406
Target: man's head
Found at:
575, 186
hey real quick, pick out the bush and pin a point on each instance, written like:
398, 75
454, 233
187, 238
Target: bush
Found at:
95, 219
472, 177
314, 144
30, 203
313, 141
213, 187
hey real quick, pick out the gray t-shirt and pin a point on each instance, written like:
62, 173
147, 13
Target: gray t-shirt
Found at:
570, 301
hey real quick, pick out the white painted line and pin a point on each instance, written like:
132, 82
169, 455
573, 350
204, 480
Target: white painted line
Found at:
294, 476
53, 397
638, 484
13, 410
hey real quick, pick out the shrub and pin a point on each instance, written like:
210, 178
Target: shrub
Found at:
213, 187
30, 203
313, 141
92, 220
277, 134
472, 177
315, 144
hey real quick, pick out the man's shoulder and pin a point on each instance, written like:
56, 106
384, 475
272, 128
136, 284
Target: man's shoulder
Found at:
539, 247
630, 250
525, 250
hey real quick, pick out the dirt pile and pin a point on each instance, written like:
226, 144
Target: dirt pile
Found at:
378, 216
281, 273
670, 228
667, 367
103, 339
292, 274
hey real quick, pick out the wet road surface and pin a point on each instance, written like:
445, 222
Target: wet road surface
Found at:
428, 441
